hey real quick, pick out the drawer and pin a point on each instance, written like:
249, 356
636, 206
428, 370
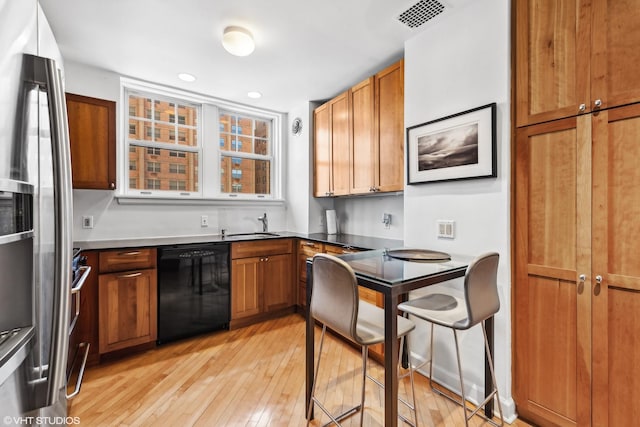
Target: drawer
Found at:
338, 250
127, 259
309, 248
261, 248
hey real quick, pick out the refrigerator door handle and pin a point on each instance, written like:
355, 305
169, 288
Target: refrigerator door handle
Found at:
47, 76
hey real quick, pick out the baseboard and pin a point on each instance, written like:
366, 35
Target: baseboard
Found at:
475, 392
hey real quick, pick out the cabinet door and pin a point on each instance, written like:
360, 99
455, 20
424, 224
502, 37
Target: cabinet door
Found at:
389, 168
277, 281
245, 289
340, 124
616, 245
128, 314
321, 152
552, 310
552, 59
615, 52
92, 132
364, 150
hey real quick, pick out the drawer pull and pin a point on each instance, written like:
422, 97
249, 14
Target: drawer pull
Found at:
127, 276
132, 253
309, 244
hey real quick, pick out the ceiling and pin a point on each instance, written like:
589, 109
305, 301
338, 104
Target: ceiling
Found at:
305, 50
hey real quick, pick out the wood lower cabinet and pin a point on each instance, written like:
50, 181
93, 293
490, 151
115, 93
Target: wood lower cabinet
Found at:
261, 277
127, 299
583, 62
92, 133
306, 249
577, 279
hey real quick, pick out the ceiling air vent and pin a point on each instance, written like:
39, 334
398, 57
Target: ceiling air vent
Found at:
420, 13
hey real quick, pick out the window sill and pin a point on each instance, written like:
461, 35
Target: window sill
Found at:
138, 200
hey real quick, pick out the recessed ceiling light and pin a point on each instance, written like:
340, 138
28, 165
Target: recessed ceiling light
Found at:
187, 77
238, 41
254, 95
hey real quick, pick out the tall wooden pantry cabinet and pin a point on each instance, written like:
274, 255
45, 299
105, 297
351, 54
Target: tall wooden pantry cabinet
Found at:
576, 287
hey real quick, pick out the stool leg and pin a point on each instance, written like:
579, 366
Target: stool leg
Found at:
365, 354
464, 400
413, 389
493, 373
431, 361
315, 376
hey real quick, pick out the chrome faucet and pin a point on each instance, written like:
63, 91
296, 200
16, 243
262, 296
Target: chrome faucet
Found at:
265, 222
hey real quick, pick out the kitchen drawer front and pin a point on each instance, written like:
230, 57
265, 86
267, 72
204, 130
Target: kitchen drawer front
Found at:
339, 250
309, 247
261, 248
127, 259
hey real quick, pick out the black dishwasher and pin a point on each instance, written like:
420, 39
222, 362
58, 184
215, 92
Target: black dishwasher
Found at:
193, 290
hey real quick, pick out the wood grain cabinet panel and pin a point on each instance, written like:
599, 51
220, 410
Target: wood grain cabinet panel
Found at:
582, 62
128, 314
262, 278
92, 132
577, 279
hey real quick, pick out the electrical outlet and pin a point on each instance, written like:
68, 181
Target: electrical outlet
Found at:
446, 229
87, 221
386, 220
204, 221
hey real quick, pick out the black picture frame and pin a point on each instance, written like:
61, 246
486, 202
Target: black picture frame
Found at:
456, 147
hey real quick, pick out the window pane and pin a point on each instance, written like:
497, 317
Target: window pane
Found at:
164, 110
140, 130
226, 121
139, 107
262, 129
244, 126
164, 133
262, 146
157, 167
188, 114
248, 176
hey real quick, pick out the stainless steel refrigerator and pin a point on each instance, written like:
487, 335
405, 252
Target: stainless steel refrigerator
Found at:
35, 220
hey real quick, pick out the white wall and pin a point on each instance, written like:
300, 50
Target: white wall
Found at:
114, 220
363, 215
463, 62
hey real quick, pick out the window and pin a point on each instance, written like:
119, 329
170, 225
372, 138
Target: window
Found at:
168, 151
153, 167
177, 168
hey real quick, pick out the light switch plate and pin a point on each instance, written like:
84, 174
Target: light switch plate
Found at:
87, 221
446, 229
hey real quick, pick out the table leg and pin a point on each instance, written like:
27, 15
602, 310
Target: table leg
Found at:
310, 343
391, 347
488, 408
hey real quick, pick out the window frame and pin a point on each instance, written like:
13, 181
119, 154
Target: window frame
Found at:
208, 149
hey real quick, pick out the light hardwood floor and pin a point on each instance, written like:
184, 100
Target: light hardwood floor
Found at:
252, 376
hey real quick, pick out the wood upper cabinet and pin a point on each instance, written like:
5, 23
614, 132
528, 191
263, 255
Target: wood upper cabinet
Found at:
127, 300
261, 277
359, 137
364, 146
331, 147
389, 128
582, 62
577, 278
92, 132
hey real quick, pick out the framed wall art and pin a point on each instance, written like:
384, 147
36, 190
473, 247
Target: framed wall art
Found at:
460, 146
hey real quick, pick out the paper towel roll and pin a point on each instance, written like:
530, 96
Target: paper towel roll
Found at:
332, 222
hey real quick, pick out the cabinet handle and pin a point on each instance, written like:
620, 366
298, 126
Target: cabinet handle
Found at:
582, 278
311, 245
327, 193
112, 185
266, 259
127, 276
582, 108
597, 103
132, 253
598, 279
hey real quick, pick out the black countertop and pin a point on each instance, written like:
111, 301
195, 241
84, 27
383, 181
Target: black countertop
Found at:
346, 240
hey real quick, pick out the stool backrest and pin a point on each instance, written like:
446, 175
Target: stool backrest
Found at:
481, 288
334, 295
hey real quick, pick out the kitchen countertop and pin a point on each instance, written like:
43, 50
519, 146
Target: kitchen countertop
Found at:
347, 240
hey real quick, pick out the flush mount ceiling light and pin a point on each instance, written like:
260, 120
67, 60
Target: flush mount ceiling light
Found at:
254, 95
186, 77
238, 41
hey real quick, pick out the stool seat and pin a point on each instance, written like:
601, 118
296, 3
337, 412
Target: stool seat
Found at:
442, 307
370, 326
